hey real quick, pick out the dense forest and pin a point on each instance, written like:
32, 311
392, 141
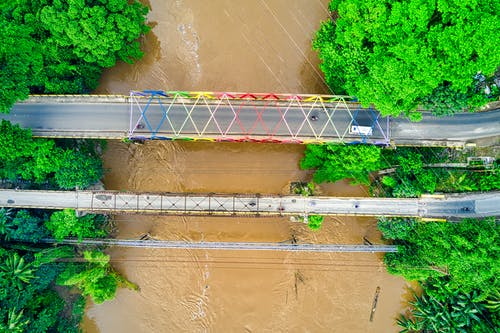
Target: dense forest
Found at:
408, 172
457, 265
32, 274
66, 164
62, 46
397, 55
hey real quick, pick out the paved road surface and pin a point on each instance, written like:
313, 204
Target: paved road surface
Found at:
451, 206
110, 118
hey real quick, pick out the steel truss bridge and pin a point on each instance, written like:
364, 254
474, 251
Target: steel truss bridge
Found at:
449, 206
237, 117
224, 116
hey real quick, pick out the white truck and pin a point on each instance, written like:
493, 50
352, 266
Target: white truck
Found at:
361, 130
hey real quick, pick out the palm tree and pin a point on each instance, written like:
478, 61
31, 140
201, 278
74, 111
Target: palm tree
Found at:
15, 322
409, 325
493, 302
15, 268
458, 313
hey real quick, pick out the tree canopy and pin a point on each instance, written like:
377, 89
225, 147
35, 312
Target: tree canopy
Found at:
95, 278
65, 223
399, 54
457, 265
467, 253
39, 160
441, 308
334, 162
28, 272
61, 46
27, 301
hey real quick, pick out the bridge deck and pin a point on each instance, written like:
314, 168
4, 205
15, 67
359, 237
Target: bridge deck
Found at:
472, 205
246, 117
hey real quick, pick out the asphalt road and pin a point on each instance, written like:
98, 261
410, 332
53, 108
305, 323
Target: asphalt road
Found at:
111, 118
452, 206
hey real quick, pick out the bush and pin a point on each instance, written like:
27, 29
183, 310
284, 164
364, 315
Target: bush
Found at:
389, 181
315, 221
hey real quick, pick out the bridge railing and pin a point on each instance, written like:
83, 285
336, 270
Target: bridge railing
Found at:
261, 117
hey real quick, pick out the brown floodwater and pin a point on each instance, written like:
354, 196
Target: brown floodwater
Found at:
226, 45
257, 46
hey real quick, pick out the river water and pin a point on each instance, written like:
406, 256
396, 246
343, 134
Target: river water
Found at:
254, 46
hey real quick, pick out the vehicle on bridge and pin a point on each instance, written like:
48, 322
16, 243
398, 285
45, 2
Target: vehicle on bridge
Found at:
361, 130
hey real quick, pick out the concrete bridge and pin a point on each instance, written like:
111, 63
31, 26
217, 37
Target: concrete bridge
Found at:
282, 118
446, 206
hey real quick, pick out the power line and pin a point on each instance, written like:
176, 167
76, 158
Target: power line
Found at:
158, 244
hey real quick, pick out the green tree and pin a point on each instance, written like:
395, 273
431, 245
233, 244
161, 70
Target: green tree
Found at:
96, 279
77, 169
27, 303
26, 227
399, 54
396, 228
65, 223
334, 162
467, 253
39, 160
16, 146
16, 61
315, 221
62, 46
6, 227
16, 270
444, 309
98, 31
15, 322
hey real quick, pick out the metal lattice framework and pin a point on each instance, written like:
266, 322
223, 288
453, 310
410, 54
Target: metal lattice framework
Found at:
280, 118
182, 204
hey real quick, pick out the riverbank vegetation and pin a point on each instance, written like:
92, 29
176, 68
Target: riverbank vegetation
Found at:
413, 171
399, 55
334, 162
405, 172
56, 47
63, 164
33, 275
61, 47
457, 265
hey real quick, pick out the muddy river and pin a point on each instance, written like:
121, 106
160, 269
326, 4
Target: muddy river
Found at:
257, 46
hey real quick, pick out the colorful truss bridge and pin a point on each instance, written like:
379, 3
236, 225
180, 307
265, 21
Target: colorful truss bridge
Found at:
240, 117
